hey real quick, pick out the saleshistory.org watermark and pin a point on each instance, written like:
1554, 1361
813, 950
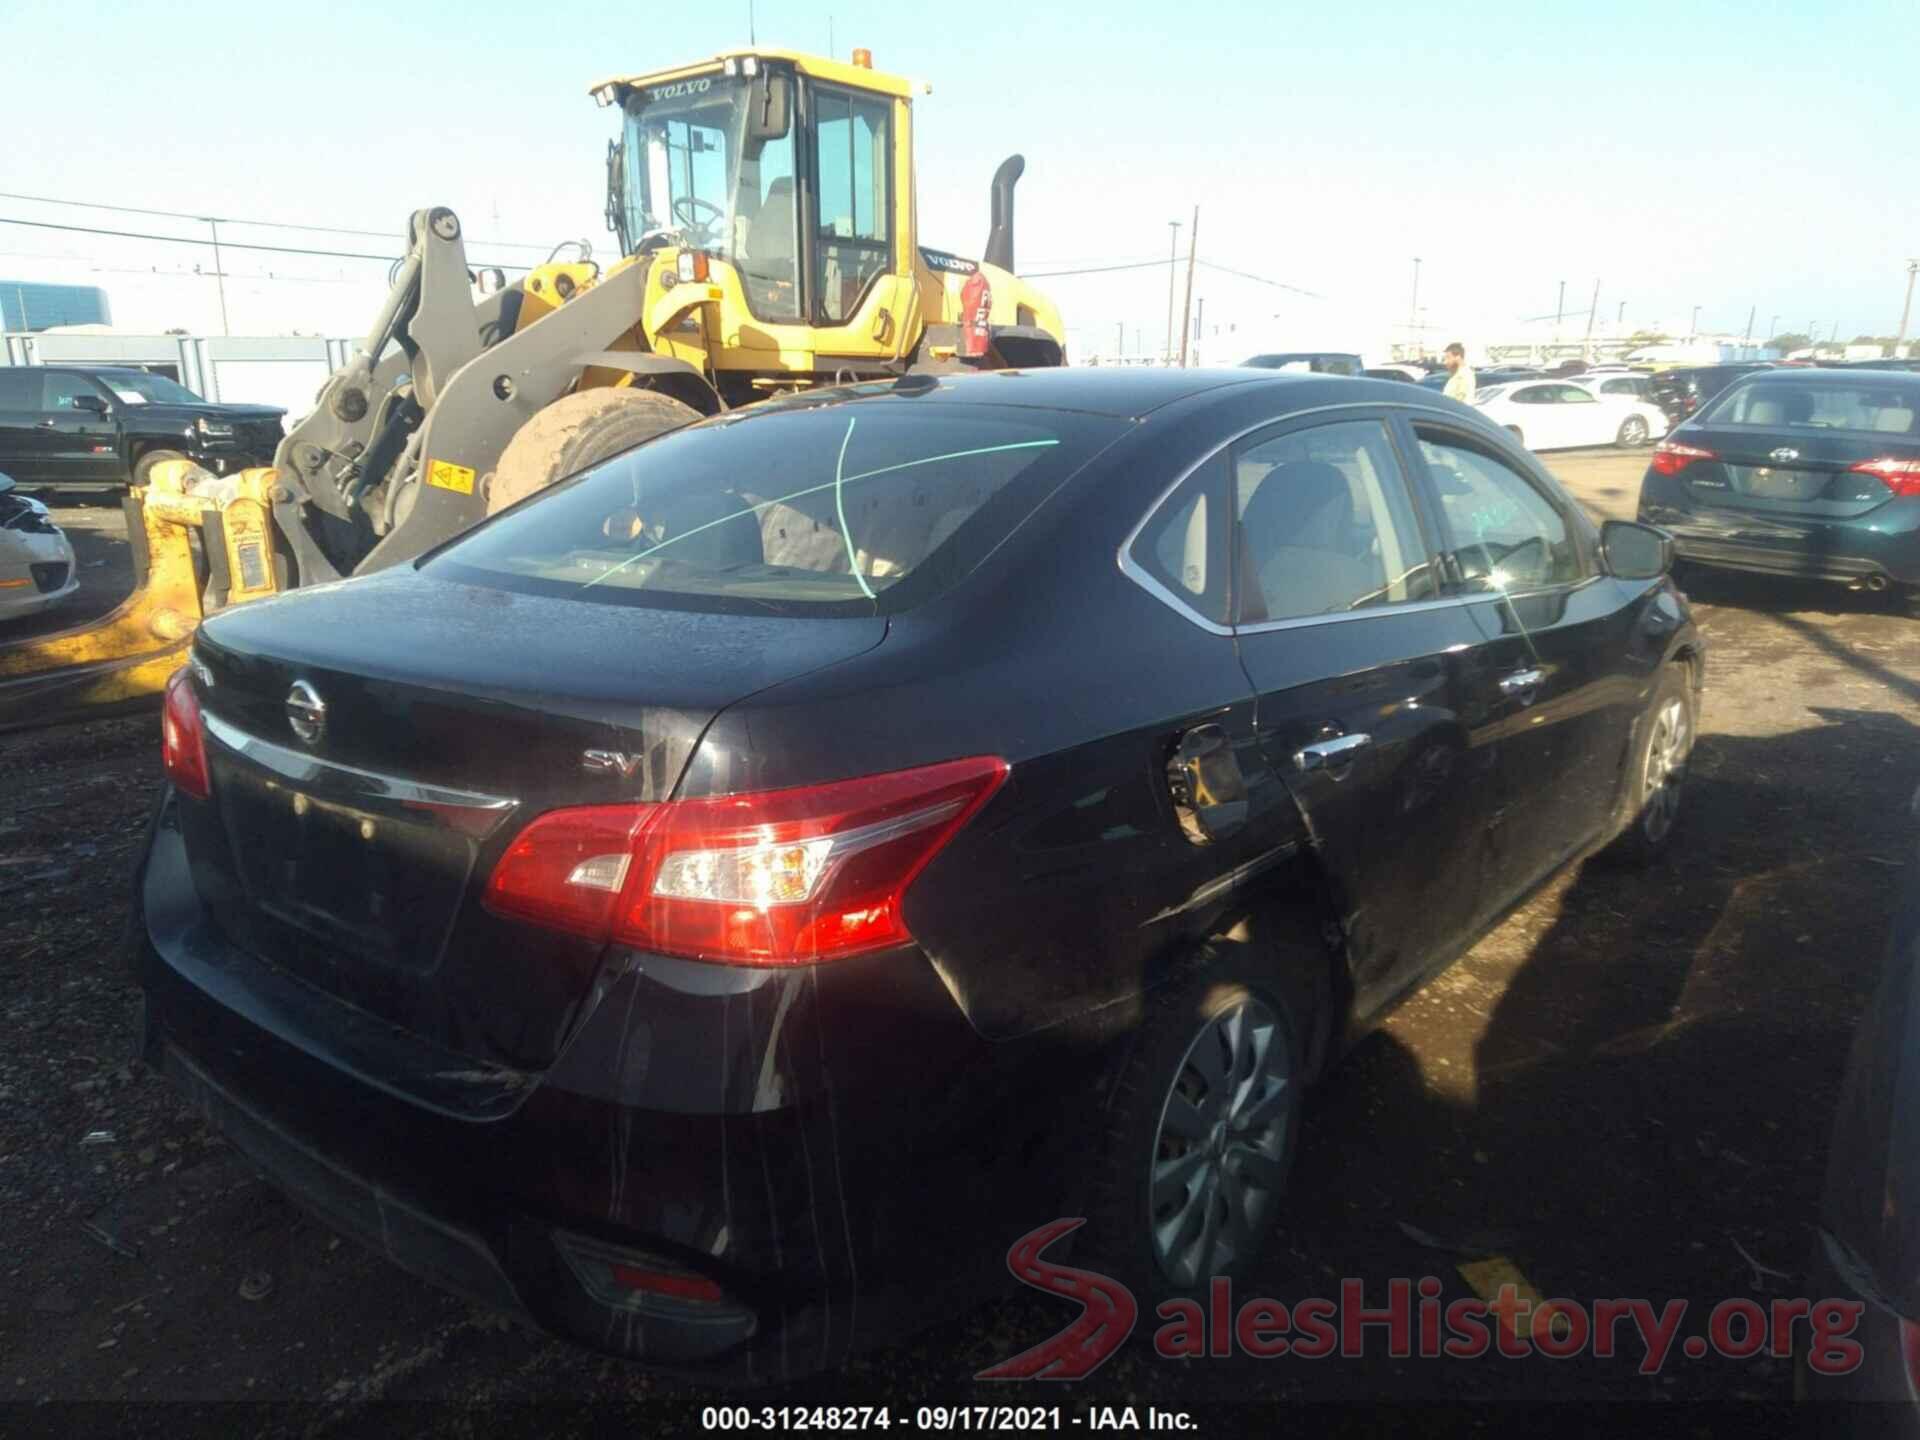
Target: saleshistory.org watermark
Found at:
1410, 1320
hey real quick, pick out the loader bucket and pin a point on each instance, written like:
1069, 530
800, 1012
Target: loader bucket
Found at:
121, 661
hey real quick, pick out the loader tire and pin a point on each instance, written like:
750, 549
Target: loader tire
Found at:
143, 467
576, 431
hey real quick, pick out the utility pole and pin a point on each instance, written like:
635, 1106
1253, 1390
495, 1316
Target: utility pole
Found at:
1186, 312
1587, 348
1120, 342
1906, 310
1560, 310
1199, 324
20, 298
1173, 271
1773, 325
1620, 316
1752, 310
219, 274
1693, 325
1413, 313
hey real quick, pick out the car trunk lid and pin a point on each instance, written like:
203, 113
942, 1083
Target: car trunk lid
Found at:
374, 749
1791, 478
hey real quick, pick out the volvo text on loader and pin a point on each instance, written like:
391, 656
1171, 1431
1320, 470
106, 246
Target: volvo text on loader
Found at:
765, 207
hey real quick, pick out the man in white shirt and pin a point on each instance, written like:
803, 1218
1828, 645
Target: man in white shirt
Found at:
1460, 385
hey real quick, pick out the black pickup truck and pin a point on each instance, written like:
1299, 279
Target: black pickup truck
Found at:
100, 428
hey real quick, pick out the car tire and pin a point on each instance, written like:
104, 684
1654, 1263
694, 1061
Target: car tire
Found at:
1662, 747
1519, 437
144, 466
1634, 432
576, 431
1226, 1047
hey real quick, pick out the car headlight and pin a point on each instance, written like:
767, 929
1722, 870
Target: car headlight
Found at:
215, 429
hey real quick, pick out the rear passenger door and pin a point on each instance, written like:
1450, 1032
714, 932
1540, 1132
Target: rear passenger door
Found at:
22, 448
1546, 678
1350, 644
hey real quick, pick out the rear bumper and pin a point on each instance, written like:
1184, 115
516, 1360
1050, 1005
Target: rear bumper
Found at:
814, 1189
1878, 1383
1886, 542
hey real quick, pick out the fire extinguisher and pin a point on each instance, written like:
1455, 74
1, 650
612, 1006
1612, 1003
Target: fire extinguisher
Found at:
976, 303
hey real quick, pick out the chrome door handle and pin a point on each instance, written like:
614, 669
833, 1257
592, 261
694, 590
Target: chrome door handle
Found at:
1330, 755
1522, 682
48, 424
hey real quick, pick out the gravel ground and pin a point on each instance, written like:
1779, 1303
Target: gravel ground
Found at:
1624, 1091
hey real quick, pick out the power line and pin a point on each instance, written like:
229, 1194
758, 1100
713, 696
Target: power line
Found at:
227, 244
263, 224
1262, 280
1156, 264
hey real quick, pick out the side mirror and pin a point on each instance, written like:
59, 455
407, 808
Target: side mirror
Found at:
1635, 552
90, 402
770, 112
6, 483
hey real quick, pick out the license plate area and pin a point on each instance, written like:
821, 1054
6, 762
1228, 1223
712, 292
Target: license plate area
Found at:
348, 875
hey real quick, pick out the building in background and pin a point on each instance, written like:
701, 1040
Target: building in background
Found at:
38, 305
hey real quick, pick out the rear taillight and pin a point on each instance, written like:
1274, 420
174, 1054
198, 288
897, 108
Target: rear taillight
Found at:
568, 869
1910, 1352
183, 739
1902, 477
1670, 457
782, 877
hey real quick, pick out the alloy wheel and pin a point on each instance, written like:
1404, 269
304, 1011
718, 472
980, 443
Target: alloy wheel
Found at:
1666, 769
1219, 1155
1634, 432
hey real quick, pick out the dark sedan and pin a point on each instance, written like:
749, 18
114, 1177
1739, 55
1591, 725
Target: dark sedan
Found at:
718, 905
1681, 391
1812, 473
1867, 1245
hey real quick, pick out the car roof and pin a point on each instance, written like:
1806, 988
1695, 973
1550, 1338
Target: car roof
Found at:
1821, 376
1124, 391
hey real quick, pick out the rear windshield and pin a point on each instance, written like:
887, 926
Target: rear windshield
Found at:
1883, 408
825, 509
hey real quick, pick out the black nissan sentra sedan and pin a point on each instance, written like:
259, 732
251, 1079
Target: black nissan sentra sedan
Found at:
1812, 473
720, 904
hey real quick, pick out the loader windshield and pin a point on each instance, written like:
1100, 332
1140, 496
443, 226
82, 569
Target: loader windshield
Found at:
696, 174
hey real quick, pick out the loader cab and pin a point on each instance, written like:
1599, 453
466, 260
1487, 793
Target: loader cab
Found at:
796, 175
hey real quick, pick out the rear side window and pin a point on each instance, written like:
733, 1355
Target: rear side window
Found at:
19, 390
1182, 548
808, 509
1885, 409
1506, 535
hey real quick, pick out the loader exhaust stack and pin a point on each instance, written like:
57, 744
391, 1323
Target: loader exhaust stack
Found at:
1000, 235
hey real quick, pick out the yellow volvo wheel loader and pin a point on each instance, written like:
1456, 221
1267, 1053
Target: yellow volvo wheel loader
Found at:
764, 202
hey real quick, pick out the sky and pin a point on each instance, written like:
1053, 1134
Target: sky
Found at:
1729, 156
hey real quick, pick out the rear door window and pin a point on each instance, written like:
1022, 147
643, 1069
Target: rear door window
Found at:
1326, 524
19, 390
801, 509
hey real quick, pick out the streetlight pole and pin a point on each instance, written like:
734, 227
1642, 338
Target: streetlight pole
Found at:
219, 273
1906, 310
1773, 325
1173, 264
1413, 313
1693, 325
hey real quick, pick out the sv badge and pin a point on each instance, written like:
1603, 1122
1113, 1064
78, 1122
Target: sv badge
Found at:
610, 762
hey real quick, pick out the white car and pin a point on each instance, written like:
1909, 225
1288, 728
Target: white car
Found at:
1564, 415
36, 562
